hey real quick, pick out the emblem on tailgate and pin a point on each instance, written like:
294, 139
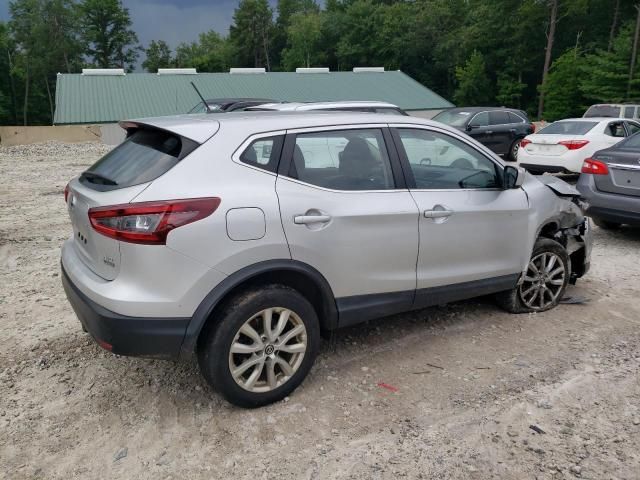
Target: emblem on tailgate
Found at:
109, 261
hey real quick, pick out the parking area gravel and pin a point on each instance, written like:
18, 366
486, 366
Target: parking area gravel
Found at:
457, 391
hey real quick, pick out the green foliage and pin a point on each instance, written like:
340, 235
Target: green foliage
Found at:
106, 31
510, 90
157, 55
304, 35
211, 53
563, 98
606, 73
251, 32
474, 86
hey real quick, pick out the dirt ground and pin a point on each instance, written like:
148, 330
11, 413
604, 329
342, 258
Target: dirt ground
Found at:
464, 385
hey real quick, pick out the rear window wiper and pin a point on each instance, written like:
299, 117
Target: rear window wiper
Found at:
94, 177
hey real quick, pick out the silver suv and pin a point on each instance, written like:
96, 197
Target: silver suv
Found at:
243, 236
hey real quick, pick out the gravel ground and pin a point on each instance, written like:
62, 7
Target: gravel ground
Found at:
470, 391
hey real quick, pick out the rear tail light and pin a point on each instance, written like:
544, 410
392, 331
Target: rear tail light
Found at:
573, 144
149, 223
524, 142
66, 193
533, 127
595, 167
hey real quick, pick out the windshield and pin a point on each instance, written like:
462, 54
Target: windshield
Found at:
567, 128
603, 111
455, 119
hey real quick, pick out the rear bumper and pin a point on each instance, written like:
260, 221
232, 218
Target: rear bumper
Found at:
608, 206
124, 335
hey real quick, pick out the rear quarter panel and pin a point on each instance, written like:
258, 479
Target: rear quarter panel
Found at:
210, 172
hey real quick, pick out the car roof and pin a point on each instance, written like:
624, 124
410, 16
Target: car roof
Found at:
594, 119
296, 106
239, 99
482, 109
200, 127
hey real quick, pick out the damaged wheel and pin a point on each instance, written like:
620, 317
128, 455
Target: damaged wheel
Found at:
544, 281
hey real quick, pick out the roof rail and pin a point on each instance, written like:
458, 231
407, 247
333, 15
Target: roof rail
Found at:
368, 69
247, 70
312, 70
177, 71
103, 71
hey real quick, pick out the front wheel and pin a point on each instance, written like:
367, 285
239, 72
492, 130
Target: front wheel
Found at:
544, 281
263, 347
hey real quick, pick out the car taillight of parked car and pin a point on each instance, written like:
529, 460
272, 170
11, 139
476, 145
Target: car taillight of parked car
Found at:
594, 167
524, 142
149, 223
573, 144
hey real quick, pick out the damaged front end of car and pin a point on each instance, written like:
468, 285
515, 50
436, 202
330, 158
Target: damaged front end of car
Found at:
570, 227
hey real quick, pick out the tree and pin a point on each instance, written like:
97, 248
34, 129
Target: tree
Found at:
551, 35
303, 40
209, 54
286, 10
107, 34
250, 33
563, 99
606, 74
158, 55
474, 86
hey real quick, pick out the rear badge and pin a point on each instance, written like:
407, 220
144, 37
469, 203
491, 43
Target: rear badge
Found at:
109, 261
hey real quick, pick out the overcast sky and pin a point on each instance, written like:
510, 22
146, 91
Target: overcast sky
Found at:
174, 21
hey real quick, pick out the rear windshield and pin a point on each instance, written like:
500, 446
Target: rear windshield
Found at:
455, 119
603, 111
632, 142
567, 128
142, 157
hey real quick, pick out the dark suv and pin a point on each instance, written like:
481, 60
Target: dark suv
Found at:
500, 129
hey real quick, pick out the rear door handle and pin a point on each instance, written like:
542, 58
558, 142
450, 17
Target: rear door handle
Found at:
437, 213
310, 219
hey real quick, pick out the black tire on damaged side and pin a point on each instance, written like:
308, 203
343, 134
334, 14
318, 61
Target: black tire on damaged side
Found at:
510, 300
213, 351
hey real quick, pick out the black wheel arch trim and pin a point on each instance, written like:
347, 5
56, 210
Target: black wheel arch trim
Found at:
328, 317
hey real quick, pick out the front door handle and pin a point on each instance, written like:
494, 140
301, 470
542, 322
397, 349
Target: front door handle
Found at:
310, 219
437, 213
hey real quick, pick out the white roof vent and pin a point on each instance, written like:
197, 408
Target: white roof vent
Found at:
368, 70
103, 71
177, 71
247, 70
312, 70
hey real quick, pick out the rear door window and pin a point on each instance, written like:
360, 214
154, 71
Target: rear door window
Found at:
514, 118
142, 157
629, 112
615, 129
498, 118
632, 128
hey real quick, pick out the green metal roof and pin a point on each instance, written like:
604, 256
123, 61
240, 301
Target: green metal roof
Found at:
111, 98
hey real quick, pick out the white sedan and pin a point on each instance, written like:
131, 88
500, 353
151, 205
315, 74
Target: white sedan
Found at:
562, 146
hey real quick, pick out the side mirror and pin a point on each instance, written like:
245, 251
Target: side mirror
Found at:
513, 177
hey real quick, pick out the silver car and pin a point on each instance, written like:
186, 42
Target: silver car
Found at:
241, 237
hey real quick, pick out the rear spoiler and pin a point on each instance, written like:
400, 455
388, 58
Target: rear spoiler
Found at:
196, 129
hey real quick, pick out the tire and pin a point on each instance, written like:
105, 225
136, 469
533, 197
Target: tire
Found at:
606, 225
513, 150
521, 299
241, 323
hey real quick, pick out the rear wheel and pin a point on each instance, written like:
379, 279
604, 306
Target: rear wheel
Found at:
606, 224
263, 347
544, 282
513, 150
